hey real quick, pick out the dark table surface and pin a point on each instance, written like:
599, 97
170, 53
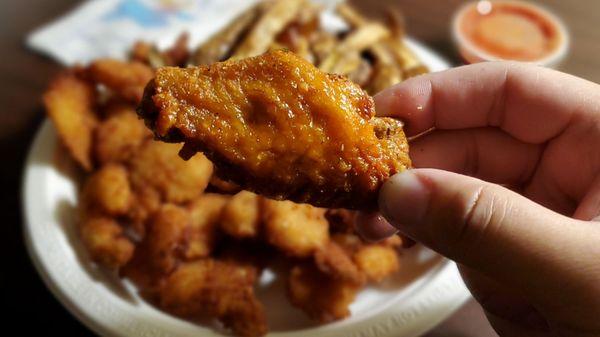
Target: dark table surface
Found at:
24, 75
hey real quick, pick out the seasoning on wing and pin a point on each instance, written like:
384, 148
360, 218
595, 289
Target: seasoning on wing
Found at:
276, 125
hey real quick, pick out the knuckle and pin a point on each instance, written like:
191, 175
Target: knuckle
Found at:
482, 215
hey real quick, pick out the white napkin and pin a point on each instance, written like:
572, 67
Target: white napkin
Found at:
108, 28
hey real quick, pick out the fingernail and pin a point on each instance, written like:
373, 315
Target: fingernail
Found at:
373, 227
404, 199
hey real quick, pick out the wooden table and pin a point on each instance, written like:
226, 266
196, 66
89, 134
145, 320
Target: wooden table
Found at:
23, 76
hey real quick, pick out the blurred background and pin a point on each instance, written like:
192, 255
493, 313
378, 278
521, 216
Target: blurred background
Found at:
429, 21
24, 75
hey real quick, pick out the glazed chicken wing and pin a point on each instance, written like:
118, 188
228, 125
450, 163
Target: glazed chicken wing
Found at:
278, 126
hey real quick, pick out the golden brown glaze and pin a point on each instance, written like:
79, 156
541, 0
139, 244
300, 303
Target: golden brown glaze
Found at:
278, 126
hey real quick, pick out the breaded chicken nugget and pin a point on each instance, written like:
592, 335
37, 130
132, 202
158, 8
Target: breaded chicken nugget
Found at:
278, 126
146, 201
296, 229
119, 136
333, 260
322, 297
215, 289
126, 79
241, 216
105, 241
158, 165
69, 103
107, 191
205, 213
341, 220
377, 261
158, 254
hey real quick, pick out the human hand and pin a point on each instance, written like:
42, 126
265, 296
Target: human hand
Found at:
530, 251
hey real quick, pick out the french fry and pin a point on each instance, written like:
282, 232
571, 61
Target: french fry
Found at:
147, 53
278, 15
396, 22
346, 63
411, 65
322, 44
357, 41
362, 74
350, 15
219, 45
384, 76
386, 70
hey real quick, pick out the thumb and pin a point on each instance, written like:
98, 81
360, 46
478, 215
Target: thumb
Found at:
492, 230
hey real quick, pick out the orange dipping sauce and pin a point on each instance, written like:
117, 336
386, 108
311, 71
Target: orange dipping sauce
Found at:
508, 30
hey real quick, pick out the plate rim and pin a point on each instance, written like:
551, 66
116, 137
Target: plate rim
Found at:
452, 290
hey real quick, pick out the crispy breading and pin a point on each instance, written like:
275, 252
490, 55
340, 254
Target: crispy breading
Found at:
333, 260
159, 166
146, 201
205, 214
241, 215
216, 289
126, 79
223, 186
322, 297
296, 229
160, 250
69, 103
377, 261
348, 241
283, 129
105, 241
341, 220
119, 136
107, 191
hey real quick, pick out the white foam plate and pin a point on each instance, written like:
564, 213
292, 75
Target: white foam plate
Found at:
427, 290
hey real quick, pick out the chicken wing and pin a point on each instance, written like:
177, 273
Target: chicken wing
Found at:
278, 126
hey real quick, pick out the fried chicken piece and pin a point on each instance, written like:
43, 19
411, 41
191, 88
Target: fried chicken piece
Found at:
215, 289
341, 220
105, 241
296, 229
223, 186
158, 254
107, 191
205, 214
126, 79
276, 125
69, 103
157, 165
322, 297
146, 201
119, 136
333, 260
241, 216
377, 261
248, 253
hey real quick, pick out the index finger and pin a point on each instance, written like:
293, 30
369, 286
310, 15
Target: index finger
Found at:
531, 103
